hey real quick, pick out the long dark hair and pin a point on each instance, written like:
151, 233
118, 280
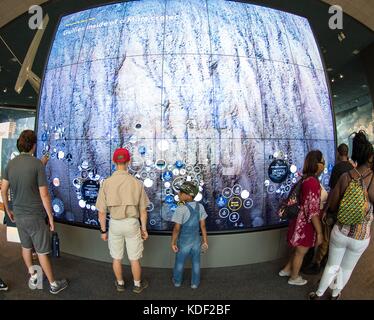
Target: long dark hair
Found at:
26, 141
311, 163
362, 149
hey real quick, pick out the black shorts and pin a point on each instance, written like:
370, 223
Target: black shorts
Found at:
34, 233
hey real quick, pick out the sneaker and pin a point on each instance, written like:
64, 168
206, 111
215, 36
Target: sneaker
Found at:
61, 285
283, 273
314, 296
139, 289
299, 281
3, 286
176, 284
119, 287
194, 286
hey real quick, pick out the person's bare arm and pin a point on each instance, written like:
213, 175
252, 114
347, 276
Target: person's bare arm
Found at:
174, 237
46, 199
102, 221
143, 223
4, 195
204, 233
316, 221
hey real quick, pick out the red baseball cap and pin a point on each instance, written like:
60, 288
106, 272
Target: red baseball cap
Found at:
121, 155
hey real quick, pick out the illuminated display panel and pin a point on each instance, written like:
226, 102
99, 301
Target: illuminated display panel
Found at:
226, 94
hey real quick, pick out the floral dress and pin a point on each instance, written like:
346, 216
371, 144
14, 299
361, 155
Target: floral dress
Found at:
301, 231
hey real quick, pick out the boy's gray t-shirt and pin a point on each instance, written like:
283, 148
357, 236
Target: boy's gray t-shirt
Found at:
182, 213
26, 174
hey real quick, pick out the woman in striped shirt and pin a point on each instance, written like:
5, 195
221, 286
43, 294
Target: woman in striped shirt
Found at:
348, 242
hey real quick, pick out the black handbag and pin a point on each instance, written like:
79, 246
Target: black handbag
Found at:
290, 207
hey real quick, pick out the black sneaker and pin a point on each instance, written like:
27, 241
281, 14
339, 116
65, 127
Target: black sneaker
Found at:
61, 285
119, 287
143, 285
3, 286
313, 296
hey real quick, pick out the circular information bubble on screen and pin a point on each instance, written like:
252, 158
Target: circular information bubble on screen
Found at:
56, 182
90, 191
227, 193
57, 206
198, 197
237, 189
224, 213
148, 183
278, 171
244, 194
248, 203
235, 203
234, 217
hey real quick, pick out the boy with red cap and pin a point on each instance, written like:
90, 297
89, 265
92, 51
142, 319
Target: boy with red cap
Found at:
124, 197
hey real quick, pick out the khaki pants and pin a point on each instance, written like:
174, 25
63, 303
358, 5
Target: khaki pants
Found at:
125, 232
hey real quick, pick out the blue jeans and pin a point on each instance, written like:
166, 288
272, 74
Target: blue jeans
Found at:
192, 250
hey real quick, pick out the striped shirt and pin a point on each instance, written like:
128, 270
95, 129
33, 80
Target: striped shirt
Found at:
358, 231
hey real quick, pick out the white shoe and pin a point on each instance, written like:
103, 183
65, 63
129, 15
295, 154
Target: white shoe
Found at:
283, 273
299, 281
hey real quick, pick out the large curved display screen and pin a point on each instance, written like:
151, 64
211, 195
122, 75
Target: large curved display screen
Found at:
226, 94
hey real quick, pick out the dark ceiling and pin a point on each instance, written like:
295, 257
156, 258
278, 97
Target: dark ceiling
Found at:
349, 92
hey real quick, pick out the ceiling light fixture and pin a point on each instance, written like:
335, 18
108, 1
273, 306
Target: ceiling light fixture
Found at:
355, 52
341, 36
330, 69
332, 80
341, 76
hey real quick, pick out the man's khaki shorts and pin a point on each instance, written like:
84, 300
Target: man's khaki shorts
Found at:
125, 231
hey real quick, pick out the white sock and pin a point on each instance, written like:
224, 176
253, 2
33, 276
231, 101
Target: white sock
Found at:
137, 283
53, 284
121, 282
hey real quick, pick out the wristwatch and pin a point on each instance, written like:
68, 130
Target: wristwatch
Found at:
102, 232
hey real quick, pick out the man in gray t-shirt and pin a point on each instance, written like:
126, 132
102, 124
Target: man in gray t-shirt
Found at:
25, 177
26, 174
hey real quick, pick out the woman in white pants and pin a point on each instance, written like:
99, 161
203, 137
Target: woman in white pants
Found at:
348, 242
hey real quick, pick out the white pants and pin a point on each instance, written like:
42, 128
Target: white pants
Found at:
344, 253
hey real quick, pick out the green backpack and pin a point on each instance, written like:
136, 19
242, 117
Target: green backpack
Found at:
355, 202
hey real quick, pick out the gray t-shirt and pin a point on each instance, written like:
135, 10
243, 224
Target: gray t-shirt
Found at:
182, 214
26, 174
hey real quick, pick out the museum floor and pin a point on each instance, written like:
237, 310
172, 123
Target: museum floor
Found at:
94, 280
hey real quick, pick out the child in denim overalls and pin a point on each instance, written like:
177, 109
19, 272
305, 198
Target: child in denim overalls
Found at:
189, 218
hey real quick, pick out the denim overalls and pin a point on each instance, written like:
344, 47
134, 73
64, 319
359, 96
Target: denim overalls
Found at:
189, 244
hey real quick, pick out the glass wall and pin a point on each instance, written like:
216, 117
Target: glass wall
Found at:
13, 120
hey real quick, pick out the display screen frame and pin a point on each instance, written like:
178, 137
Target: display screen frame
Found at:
280, 225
